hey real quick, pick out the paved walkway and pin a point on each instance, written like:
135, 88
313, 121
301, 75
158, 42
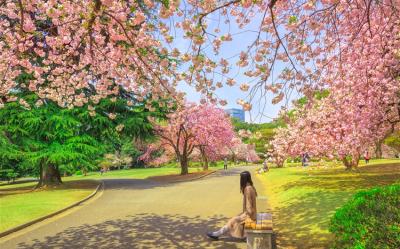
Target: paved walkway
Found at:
133, 213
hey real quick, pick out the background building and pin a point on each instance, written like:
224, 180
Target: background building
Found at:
236, 113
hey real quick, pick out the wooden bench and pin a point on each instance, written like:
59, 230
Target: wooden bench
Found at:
259, 232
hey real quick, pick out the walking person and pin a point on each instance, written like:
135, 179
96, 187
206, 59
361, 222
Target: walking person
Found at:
366, 157
305, 159
265, 165
225, 163
235, 226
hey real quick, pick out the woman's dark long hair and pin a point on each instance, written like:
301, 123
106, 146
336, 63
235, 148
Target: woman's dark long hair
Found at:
245, 178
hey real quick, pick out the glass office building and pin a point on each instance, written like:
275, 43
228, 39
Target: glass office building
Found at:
236, 113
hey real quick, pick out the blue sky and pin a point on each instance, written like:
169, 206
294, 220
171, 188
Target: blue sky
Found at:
263, 110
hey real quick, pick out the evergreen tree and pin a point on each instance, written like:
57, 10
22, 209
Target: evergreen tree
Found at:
39, 136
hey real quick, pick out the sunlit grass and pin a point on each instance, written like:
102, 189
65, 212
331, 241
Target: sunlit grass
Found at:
17, 209
304, 199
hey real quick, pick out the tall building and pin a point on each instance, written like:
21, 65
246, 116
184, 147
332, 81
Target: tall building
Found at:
236, 113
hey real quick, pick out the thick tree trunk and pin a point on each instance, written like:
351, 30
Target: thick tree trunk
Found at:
351, 164
184, 165
280, 163
49, 176
346, 163
233, 158
378, 149
204, 159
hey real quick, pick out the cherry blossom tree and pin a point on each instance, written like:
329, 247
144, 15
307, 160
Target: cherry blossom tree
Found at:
75, 52
196, 126
342, 125
214, 132
239, 151
155, 154
74, 47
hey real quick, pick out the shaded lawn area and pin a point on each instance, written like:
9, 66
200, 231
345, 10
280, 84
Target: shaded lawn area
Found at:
304, 200
17, 209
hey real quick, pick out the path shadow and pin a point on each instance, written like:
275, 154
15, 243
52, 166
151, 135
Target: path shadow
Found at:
231, 172
140, 231
130, 184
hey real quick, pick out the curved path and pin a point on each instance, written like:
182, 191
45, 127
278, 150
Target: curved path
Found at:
132, 213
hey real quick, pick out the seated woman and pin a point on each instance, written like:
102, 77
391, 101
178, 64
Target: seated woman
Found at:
235, 226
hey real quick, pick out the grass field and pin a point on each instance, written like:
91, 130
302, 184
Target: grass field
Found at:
303, 200
17, 209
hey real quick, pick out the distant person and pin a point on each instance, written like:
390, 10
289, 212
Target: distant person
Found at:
225, 163
304, 160
366, 157
101, 171
265, 165
235, 226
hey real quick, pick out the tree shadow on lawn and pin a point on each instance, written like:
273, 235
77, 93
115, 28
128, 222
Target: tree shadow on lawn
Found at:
339, 179
140, 231
303, 222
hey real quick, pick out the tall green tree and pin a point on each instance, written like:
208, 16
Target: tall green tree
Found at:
40, 136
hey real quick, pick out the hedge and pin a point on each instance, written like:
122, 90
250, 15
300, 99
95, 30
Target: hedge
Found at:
371, 219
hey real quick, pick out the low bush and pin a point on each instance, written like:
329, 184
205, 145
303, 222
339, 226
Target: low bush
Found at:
370, 220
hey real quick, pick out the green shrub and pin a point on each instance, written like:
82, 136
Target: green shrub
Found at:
8, 175
370, 220
78, 173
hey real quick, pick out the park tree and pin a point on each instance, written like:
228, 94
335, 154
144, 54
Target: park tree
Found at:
155, 154
349, 47
49, 139
72, 47
332, 127
69, 47
393, 141
214, 133
240, 151
194, 126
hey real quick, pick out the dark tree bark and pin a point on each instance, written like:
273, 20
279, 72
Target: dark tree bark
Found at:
204, 158
279, 164
184, 165
378, 149
49, 176
351, 164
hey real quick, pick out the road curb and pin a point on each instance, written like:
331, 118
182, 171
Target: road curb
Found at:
20, 227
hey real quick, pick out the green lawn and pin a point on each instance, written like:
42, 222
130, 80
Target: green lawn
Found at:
18, 209
303, 200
